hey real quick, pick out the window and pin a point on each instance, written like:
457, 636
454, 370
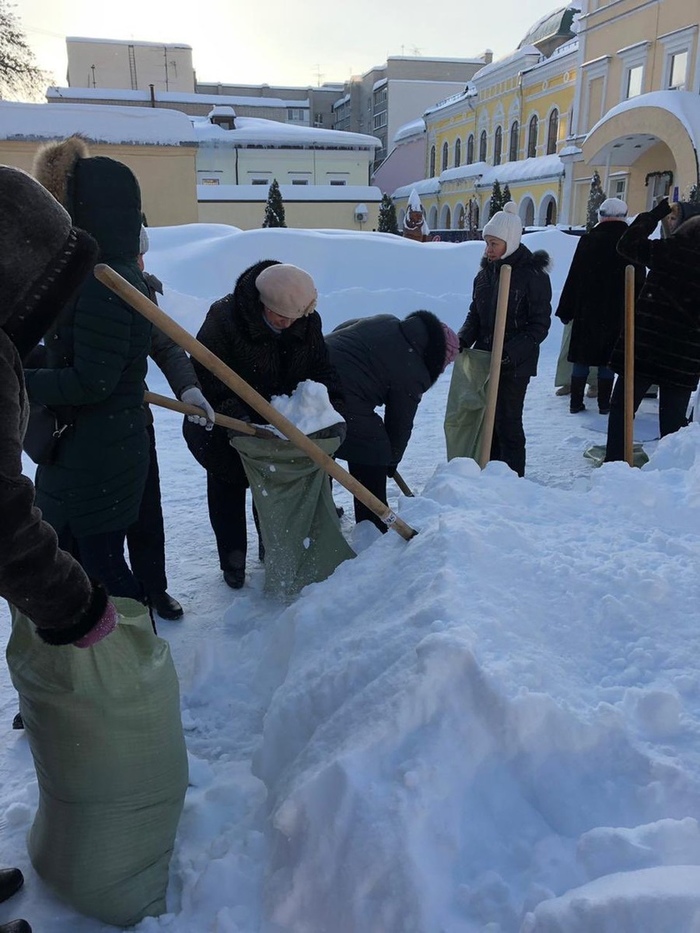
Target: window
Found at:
678, 71
458, 152
470, 149
618, 188
337, 181
380, 119
514, 141
532, 138
260, 181
318, 119
497, 146
445, 155
633, 84
301, 181
295, 114
208, 181
482, 146
431, 173
552, 132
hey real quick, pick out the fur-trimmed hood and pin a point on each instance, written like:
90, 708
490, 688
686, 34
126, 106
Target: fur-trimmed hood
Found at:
101, 195
424, 331
539, 261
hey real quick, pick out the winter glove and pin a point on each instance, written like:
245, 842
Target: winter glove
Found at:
391, 470
661, 210
233, 433
106, 624
193, 396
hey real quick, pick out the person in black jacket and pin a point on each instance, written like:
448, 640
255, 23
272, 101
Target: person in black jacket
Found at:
593, 298
667, 324
269, 332
527, 323
382, 360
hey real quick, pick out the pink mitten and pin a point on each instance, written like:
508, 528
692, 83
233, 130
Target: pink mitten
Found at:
105, 626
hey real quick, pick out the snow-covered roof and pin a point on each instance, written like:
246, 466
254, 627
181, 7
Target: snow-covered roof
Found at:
254, 131
549, 166
518, 55
682, 104
290, 193
170, 97
97, 123
142, 42
409, 130
425, 186
448, 101
464, 171
343, 100
378, 84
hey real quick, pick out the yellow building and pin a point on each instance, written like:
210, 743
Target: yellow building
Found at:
637, 109
509, 125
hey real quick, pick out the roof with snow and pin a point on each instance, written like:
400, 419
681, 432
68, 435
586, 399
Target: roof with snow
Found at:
410, 130
354, 193
254, 131
425, 186
552, 25
97, 123
538, 169
170, 97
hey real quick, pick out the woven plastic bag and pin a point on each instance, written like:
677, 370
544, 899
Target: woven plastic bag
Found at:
104, 729
466, 400
298, 521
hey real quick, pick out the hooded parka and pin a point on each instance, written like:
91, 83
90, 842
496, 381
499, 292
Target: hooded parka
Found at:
96, 356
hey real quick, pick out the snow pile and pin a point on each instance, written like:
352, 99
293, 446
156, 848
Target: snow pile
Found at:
308, 408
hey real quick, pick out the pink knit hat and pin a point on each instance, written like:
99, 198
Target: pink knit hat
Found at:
451, 346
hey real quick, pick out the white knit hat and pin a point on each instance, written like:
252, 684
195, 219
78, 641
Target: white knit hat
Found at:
612, 207
507, 226
143, 241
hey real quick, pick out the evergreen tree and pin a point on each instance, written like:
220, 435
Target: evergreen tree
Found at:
387, 216
20, 78
596, 197
274, 209
506, 194
694, 194
496, 202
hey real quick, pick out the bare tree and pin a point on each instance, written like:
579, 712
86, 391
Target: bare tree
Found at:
20, 76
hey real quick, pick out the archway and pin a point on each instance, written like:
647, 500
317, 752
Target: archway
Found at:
548, 211
445, 216
432, 217
527, 211
459, 217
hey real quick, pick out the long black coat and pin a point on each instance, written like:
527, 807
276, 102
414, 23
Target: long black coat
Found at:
273, 364
384, 361
667, 313
593, 296
529, 309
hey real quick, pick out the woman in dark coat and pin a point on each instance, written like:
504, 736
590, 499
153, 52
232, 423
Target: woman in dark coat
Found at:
527, 323
593, 298
96, 360
382, 360
269, 333
667, 324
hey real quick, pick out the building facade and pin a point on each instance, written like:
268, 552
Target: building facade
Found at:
132, 65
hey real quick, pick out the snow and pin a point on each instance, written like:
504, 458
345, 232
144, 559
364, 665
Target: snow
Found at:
410, 130
255, 131
683, 105
289, 193
492, 727
170, 97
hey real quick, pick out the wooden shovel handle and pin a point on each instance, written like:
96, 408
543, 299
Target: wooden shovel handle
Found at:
499, 329
222, 420
137, 300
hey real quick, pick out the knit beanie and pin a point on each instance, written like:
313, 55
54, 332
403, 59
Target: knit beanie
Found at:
451, 345
612, 207
143, 241
506, 226
287, 290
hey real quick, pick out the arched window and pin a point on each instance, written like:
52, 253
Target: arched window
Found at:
497, 145
532, 138
445, 155
458, 152
431, 172
514, 141
552, 132
482, 146
470, 149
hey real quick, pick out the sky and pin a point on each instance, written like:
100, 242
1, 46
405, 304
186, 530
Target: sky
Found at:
233, 43
492, 727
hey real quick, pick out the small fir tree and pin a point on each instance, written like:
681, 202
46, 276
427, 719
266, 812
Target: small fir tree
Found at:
274, 209
496, 202
506, 194
387, 216
596, 196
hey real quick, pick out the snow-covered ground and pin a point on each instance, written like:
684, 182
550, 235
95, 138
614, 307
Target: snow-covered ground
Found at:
492, 727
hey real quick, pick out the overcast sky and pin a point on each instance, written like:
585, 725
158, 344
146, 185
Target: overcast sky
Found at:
280, 42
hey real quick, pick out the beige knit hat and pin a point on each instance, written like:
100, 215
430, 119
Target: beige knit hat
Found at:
287, 290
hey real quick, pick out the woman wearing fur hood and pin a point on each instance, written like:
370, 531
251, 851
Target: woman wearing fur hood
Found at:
96, 360
527, 324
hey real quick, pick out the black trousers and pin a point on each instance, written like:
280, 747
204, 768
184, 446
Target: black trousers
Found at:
373, 477
673, 405
508, 444
102, 558
146, 537
227, 515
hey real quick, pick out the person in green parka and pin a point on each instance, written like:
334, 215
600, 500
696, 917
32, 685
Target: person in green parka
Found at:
95, 365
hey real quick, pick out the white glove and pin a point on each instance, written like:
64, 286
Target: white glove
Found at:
193, 396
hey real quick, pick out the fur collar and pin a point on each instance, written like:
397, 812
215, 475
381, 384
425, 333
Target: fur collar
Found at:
522, 258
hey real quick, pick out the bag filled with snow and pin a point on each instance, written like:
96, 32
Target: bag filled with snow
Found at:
466, 400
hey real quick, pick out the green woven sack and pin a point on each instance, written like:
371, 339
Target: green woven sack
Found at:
466, 399
104, 728
298, 522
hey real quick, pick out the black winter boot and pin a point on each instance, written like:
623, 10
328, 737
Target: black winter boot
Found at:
165, 606
15, 926
578, 387
605, 387
11, 880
